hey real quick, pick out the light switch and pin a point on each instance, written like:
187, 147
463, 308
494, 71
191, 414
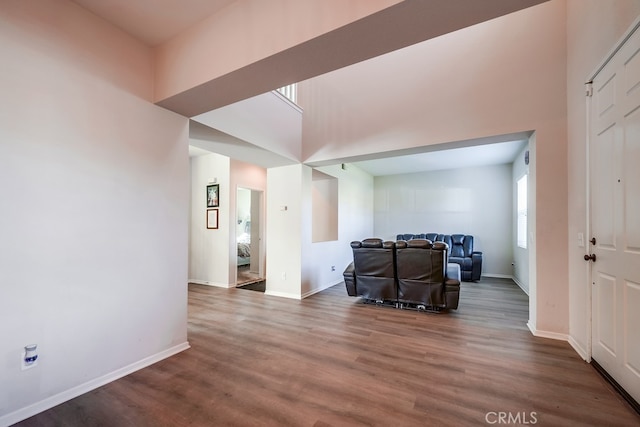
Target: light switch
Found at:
581, 240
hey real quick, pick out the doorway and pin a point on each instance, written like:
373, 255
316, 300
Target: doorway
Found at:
614, 241
248, 235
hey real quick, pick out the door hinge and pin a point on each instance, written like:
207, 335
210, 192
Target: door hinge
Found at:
588, 87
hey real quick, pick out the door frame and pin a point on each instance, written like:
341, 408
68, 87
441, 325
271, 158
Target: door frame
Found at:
588, 92
261, 233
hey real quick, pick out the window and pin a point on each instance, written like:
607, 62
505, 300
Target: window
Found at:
522, 212
290, 92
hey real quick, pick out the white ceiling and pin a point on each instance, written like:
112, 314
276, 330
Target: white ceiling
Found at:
448, 158
154, 21
206, 140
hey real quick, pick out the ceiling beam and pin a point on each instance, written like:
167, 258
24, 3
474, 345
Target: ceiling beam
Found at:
398, 26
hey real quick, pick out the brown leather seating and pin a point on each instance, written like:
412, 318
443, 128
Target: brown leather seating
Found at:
374, 269
421, 271
406, 274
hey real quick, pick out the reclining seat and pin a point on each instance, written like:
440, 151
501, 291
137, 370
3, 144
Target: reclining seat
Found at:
372, 274
412, 236
421, 269
461, 252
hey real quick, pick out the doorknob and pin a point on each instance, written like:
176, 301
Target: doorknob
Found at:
593, 240
591, 257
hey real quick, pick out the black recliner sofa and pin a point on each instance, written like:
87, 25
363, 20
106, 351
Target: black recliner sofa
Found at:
403, 274
372, 274
460, 252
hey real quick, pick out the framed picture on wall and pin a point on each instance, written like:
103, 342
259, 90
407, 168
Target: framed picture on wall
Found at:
213, 193
212, 219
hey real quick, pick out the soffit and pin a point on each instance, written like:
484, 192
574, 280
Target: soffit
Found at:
404, 24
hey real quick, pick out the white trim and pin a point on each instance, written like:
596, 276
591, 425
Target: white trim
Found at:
587, 243
315, 291
282, 294
547, 334
508, 276
519, 283
616, 48
50, 402
578, 348
303, 296
288, 101
217, 285
531, 327
498, 276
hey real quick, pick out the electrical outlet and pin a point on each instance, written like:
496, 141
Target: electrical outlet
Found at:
284, 276
333, 268
29, 357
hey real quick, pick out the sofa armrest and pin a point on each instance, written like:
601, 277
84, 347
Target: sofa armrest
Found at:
349, 275
452, 293
453, 271
476, 265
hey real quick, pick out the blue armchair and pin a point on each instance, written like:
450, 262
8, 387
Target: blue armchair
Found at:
460, 252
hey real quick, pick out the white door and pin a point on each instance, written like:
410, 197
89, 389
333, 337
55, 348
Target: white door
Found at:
615, 216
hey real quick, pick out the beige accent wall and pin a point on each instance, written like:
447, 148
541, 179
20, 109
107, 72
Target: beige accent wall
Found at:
248, 31
284, 41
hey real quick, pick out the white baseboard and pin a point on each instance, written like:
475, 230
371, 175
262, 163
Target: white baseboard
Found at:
50, 402
302, 296
507, 276
217, 285
579, 349
547, 334
526, 291
315, 291
498, 276
282, 294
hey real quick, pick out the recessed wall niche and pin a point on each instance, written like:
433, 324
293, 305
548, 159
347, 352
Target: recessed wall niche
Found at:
324, 204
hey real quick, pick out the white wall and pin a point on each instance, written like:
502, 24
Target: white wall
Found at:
284, 230
209, 248
520, 255
297, 267
475, 201
268, 121
93, 224
355, 222
212, 252
593, 28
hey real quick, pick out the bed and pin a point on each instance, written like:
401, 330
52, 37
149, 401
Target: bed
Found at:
244, 249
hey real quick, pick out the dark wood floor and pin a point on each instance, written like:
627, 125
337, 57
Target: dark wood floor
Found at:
258, 360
